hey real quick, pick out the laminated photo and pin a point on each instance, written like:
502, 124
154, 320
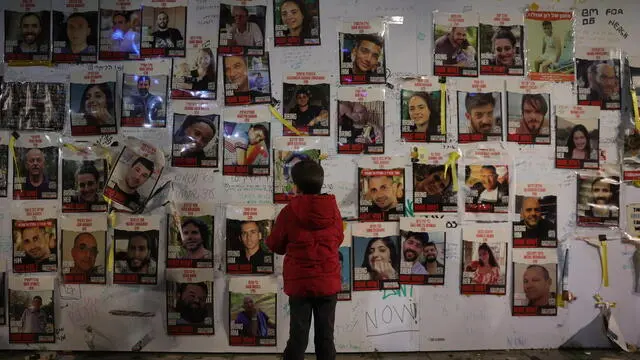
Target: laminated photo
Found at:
529, 111
381, 188
163, 28
34, 229
253, 299
196, 75
247, 138
375, 256
455, 44
598, 77
120, 30
145, 86
434, 190
599, 197
344, 255
92, 101
84, 248
484, 260
190, 302
479, 106
297, 23
84, 175
135, 242
362, 53
35, 167
247, 79
190, 242
423, 250
31, 310
27, 32
288, 152
361, 120
501, 43
421, 111
306, 102
577, 137
195, 140
535, 286
536, 209
247, 228
550, 41
242, 27
75, 31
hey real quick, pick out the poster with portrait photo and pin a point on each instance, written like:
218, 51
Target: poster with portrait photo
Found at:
33, 105
434, 189
361, 120
484, 259
196, 75
536, 211
577, 137
84, 175
421, 110
535, 285
629, 131
92, 101
247, 227
4, 163
287, 153
134, 175
375, 256
75, 31
195, 134
247, 79
144, 92
297, 22
120, 29
35, 168
479, 106
455, 44
135, 240
31, 310
84, 248
381, 188
35, 237
598, 194
27, 32
242, 27
190, 302
252, 298
164, 28
501, 50
306, 103
362, 52
344, 255
550, 41
423, 241
247, 141
598, 77
529, 111
191, 229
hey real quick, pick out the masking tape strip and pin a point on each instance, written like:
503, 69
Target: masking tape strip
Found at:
284, 122
443, 104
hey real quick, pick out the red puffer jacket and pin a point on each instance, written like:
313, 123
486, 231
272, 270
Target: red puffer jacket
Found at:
309, 232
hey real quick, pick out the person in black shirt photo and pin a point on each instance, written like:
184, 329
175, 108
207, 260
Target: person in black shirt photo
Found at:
164, 36
252, 251
137, 175
536, 226
307, 115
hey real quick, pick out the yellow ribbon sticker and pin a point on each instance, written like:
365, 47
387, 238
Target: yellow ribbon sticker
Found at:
603, 262
636, 113
451, 162
284, 122
443, 106
16, 167
110, 260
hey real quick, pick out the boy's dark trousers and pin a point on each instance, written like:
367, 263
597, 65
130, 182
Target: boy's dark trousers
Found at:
324, 314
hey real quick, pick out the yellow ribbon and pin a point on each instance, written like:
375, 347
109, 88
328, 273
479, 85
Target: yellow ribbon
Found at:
600, 301
112, 247
284, 122
636, 114
443, 107
16, 166
603, 262
451, 162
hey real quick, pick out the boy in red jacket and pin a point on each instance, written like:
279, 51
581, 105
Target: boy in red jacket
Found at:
309, 231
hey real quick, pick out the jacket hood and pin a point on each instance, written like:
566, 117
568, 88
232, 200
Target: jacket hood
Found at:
315, 211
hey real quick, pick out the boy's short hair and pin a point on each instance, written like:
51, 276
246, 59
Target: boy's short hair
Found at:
308, 176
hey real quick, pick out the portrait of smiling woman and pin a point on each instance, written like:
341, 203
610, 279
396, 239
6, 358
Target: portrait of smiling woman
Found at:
297, 23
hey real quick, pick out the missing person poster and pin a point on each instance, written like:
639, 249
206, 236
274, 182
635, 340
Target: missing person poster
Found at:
362, 52
455, 44
164, 25
287, 153
190, 302
421, 112
253, 304
501, 43
26, 105
534, 282
191, 229
375, 256
344, 254
423, 250
120, 30
306, 102
297, 23
196, 134
381, 188
599, 197
484, 259
84, 248
247, 227
92, 101
434, 189
242, 27
31, 310
550, 42
479, 106
486, 183
35, 167
75, 31
247, 138
4, 164
536, 210
196, 75
247, 79
145, 86
361, 120
577, 137
135, 242
598, 77
34, 228
529, 111
84, 175
27, 32
134, 175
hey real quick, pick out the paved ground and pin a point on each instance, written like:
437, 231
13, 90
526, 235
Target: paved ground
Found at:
462, 355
